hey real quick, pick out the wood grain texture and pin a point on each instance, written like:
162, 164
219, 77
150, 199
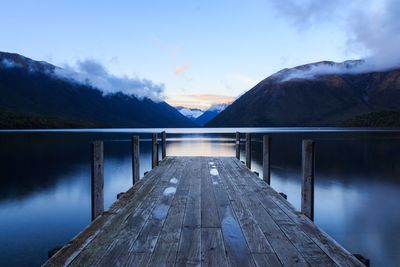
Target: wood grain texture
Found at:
189, 253
270, 199
266, 159
163, 145
213, 251
202, 211
135, 160
248, 150
97, 181
307, 182
154, 150
237, 145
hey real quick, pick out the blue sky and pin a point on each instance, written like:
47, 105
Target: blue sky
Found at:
197, 49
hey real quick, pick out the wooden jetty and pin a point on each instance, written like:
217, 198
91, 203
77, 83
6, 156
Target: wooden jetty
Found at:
204, 211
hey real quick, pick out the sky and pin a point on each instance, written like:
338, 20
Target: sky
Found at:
197, 53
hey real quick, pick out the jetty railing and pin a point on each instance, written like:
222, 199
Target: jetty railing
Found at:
308, 167
307, 177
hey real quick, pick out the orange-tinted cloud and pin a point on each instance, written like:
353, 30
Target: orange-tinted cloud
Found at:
201, 101
182, 69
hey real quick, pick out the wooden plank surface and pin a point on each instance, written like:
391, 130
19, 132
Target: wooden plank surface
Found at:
202, 211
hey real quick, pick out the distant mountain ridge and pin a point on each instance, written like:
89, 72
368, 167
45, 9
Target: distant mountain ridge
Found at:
190, 113
29, 87
210, 114
200, 117
318, 94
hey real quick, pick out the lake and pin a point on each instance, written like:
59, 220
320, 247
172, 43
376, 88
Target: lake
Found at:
45, 182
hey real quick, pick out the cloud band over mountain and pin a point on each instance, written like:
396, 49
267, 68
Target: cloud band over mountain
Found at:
93, 73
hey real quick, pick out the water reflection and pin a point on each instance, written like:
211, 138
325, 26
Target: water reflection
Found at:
45, 192
201, 147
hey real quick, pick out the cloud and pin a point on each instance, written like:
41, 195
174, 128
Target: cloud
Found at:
242, 80
309, 72
183, 68
6, 63
200, 101
376, 26
92, 73
305, 13
371, 25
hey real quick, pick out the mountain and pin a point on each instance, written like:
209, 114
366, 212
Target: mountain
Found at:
190, 113
210, 114
200, 117
30, 91
318, 94
374, 119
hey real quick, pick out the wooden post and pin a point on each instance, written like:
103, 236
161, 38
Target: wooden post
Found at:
157, 155
248, 150
97, 180
283, 195
164, 145
363, 260
154, 150
266, 159
238, 145
307, 186
135, 160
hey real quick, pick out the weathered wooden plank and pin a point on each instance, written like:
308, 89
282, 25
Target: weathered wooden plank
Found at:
336, 252
266, 159
189, 253
238, 253
97, 180
167, 245
126, 224
197, 171
149, 234
308, 249
282, 246
313, 254
266, 259
136, 259
209, 213
135, 160
124, 241
212, 248
255, 238
112, 217
307, 185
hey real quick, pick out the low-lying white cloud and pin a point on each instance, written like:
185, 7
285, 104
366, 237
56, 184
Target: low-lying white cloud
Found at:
92, 73
6, 63
308, 72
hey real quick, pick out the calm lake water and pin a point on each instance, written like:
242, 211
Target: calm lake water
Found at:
45, 183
